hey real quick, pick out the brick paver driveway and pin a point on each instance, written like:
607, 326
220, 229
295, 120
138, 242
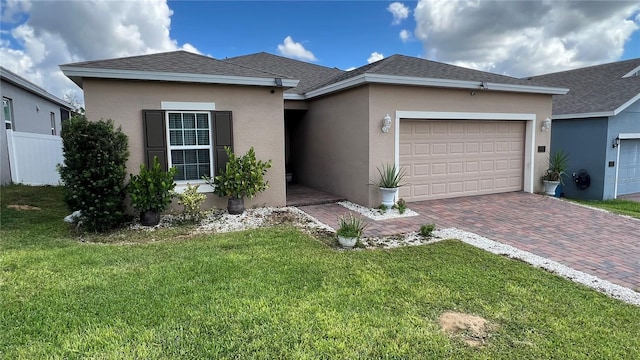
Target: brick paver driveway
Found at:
595, 242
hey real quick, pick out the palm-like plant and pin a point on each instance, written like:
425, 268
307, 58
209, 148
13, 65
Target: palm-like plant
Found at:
390, 177
558, 164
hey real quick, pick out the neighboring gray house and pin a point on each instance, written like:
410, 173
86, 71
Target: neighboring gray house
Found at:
598, 124
27, 108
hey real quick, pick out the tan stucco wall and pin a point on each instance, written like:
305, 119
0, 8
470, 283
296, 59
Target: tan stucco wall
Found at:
258, 121
387, 99
335, 152
344, 144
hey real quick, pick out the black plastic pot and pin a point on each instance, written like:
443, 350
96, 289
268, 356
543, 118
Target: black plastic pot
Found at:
150, 218
235, 206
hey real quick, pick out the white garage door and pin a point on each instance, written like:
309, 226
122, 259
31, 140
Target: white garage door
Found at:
452, 158
629, 167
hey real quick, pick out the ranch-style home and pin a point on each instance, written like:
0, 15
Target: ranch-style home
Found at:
455, 131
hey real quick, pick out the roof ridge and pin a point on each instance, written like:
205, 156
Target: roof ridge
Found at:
278, 56
132, 57
585, 68
252, 68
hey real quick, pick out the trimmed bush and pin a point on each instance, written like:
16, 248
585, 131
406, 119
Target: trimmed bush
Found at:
94, 170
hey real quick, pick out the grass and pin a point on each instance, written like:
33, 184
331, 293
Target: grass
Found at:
618, 206
277, 293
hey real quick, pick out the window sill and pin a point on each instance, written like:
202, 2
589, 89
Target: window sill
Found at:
181, 186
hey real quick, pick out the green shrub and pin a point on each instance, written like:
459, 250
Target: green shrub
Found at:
152, 188
401, 205
93, 172
191, 200
427, 230
243, 176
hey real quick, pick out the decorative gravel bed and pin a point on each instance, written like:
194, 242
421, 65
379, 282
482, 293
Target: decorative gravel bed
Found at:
377, 214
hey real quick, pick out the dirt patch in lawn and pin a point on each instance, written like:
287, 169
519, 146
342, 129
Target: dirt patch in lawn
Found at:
473, 330
23, 207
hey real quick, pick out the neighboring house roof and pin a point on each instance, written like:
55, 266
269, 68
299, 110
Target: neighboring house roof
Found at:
310, 75
601, 90
407, 70
26, 85
174, 66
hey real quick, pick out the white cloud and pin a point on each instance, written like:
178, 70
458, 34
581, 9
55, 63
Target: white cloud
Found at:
351, 68
521, 38
405, 35
94, 30
375, 56
399, 12
295, 50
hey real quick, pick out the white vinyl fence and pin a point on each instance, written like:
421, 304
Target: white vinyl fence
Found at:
33, 158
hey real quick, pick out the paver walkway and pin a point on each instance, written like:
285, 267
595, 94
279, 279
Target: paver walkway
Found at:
593, 241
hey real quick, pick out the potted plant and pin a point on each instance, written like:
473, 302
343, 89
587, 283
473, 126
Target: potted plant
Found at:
151, 192
552, 177
390, 177
350, 230
242, 177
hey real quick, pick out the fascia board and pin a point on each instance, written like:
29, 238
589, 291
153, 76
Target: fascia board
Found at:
527, 89
287, 96
71, 71
622, 107
632, 72
430, 82
582, 115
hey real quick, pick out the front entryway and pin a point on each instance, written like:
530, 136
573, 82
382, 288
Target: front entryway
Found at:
300, 195
452, 158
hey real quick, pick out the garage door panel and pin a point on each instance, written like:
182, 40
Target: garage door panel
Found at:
461, 158
629, 167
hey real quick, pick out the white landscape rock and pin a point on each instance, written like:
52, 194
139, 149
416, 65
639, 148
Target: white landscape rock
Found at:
73, 217
377, 214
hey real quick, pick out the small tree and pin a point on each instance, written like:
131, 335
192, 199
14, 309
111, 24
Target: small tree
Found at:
94, 170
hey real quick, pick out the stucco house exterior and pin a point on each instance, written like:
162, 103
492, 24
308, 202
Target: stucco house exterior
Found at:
455, 131
27, 108
598, 125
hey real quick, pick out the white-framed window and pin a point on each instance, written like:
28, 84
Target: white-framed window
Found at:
54, 131
7, 108
190, 148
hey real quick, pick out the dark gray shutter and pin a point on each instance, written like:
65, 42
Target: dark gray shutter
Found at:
223, 136
155, 139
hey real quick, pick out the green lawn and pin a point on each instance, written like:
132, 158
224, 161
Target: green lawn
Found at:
618, 206
277, 293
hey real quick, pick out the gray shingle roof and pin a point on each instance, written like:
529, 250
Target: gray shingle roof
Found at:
593, 89
401, 65
178, 62
309, 75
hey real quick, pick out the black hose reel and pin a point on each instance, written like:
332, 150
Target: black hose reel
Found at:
582, 179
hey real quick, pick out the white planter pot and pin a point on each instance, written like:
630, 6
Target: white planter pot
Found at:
550, 187
347, 242
388, 196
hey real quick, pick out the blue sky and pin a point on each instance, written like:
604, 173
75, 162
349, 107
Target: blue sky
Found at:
517, 38
339, 34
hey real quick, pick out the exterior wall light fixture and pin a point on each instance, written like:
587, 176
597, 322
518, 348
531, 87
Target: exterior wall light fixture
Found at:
546, 124
616, 142
386, 123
